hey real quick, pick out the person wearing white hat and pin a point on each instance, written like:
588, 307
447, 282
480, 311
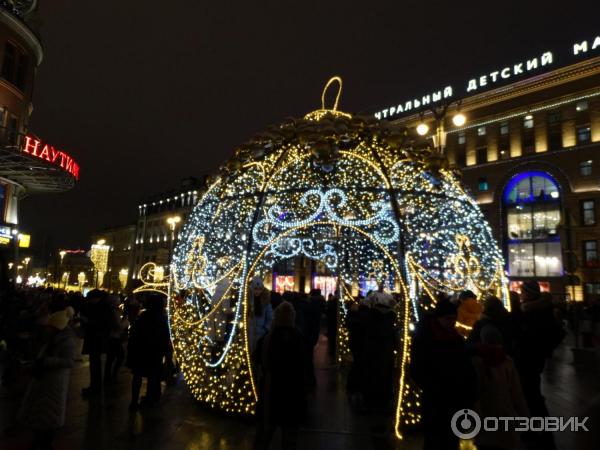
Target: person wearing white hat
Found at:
45, 401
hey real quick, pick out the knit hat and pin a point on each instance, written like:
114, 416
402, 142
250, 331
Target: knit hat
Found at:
284, 315
530, 287
444, 308
60, 319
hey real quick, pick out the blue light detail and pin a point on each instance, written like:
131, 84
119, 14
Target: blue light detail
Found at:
514, 181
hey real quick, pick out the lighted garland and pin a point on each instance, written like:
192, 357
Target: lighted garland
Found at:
350, 191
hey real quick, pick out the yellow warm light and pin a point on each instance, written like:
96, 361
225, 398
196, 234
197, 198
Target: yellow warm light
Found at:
422, 129
101, 241
459, 120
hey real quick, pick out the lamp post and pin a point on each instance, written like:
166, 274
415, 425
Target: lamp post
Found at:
172, 221
26, 262
439, 136
62, 254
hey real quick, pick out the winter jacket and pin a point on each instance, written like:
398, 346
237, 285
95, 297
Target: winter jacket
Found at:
149, 343
284, 369
500, 394
45, 400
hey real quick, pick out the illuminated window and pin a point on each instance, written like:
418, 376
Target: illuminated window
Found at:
503, 128
588, 212
528, 122
590, 253
461, 138
582, 106
481, 131
532, 214
584, 135
585, 168
483, 184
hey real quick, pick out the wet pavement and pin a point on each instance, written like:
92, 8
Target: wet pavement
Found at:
179, 422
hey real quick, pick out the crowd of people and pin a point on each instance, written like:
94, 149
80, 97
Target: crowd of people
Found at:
496, 371
465, 354
41, 333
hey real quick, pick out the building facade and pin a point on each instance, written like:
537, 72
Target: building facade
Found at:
530, 155
154, 236
118, 243
27, 164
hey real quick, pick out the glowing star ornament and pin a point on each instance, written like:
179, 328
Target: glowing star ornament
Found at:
349, 191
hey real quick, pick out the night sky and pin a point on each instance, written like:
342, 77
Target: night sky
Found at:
143, 93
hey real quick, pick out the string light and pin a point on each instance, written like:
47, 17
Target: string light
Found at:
345, 190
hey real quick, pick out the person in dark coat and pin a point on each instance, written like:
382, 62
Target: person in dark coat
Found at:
313, 310
45, 401
358, 317
149, 344
380, 344
283, 398
441, 367
494, 313
539, 335
96, 319
331, 312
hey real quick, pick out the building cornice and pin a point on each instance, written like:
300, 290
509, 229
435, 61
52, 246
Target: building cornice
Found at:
20, 28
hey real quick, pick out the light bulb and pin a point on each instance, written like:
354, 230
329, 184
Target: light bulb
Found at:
422, 129
459, 120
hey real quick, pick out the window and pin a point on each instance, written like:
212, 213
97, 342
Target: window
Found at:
13, 126
14, 66
8, 65
481, 131
588, 212
553, 117
541, 259
503, 128
583, 135
483, 185
532, 214
581, 106
461, 138
481, 155
528, 122
585, 168
592, 288
590, 253
461, 157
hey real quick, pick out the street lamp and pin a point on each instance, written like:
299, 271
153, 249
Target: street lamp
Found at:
26, 262
62, 254
172, 221
439, 137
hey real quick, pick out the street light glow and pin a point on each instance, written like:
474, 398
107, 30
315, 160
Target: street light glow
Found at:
459, 119
422, 129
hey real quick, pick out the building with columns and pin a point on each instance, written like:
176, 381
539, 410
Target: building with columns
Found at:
530, 155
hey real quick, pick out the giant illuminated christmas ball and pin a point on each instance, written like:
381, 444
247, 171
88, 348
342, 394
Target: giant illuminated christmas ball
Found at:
349, 191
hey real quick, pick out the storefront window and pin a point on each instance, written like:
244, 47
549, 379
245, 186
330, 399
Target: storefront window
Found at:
532, 214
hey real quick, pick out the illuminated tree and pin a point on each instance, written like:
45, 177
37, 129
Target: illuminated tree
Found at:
350, 191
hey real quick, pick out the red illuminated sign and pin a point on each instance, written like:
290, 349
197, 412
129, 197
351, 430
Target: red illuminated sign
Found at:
45, 151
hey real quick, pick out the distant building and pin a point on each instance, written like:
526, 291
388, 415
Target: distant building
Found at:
530, 155
120, 243
153, 233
